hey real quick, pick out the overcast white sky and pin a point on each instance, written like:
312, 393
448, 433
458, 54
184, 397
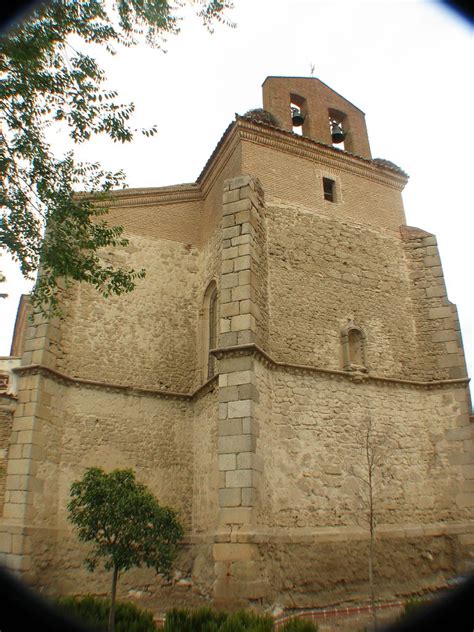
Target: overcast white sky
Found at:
406, 64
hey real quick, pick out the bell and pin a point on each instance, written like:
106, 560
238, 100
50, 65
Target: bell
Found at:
337, 134
297, 117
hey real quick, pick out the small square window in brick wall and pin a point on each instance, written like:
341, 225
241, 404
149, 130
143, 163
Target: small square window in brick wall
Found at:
329, 188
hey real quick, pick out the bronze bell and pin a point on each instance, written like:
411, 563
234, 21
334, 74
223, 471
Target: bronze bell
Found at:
337, 134
297, 117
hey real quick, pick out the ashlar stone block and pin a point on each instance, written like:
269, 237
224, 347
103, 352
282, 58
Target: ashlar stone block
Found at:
236, 443
241, 408
230, 253
229, 394
230, 309
239, 182
242, 322
249, 497
242, 262
238, 364
230, 280
230, 497
234, 551
242, 292
227, 267
247, 391
237, 515
228, 339
241, 377
227, 462
224, 325
231, 196
439, 312
19, 466
246, 337
237, 207
249, 461
230, 427
250, 426
241, 240
239, 478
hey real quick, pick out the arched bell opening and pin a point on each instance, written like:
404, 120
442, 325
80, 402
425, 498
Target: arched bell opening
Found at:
338, 127
298, 114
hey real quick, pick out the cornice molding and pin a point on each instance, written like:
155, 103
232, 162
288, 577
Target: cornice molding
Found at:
40, 369
216, 164
228, 352
325, 154
353, 376
281, 140
154, 197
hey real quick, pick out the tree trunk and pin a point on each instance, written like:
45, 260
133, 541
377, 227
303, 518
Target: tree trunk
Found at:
371, 580
113, 592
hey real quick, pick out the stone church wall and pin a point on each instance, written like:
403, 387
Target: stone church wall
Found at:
6, 420
335, 271
146, 338
314, 452
205, 469
312, 532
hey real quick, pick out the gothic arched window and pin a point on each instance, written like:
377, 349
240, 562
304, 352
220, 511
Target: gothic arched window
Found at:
209, 329
211, 368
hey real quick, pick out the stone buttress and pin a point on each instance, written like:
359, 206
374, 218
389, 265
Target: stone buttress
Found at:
240, 576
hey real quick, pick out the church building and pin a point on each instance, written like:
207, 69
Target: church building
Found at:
289, 323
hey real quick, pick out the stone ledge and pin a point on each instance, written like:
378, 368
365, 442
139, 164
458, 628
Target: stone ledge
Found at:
252, 349
39, 369
225, 353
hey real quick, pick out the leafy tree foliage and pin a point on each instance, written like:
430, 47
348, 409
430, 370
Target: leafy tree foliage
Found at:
125, 524
47, 80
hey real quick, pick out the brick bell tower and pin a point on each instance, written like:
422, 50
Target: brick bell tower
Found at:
323, 114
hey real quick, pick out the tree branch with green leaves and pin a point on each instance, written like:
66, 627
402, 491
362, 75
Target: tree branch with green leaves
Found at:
49, 78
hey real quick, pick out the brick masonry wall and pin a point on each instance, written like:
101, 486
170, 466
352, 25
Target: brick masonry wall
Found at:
175, 220
295, 177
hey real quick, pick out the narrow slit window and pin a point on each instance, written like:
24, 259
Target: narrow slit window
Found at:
329, 188
212, 334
